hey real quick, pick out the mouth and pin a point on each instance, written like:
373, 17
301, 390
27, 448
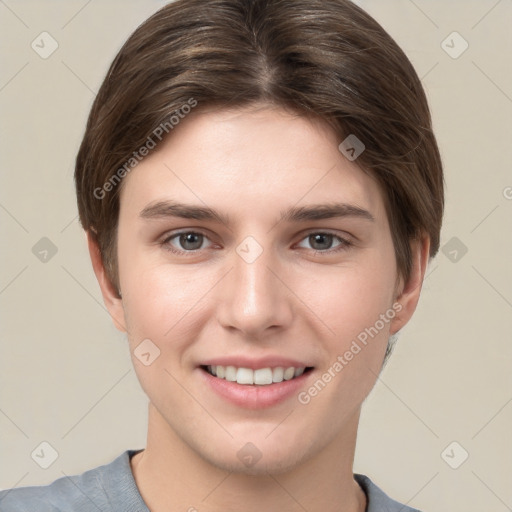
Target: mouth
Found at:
256, 377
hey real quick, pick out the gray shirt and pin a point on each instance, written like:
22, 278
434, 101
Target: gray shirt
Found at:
112, 488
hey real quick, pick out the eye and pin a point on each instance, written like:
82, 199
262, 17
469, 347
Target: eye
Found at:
193, 241
187, 241
323, 242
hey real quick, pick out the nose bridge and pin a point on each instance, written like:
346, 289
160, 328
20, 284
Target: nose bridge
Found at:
256, 300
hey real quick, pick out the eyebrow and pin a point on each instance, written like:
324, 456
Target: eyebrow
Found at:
169, 209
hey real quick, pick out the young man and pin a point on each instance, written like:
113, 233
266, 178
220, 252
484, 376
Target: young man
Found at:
261, 191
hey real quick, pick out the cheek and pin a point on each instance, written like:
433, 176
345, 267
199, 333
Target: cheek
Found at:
157, 305
350, 299
165, 304
357, 306
157, 301
154, 295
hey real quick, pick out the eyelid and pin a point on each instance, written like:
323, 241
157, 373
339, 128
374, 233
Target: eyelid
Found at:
327, 231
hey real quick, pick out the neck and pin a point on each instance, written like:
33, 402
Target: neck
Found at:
172, 476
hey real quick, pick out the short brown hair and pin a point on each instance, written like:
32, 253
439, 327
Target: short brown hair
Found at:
326, 59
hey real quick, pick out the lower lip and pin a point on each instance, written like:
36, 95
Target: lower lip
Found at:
254, 396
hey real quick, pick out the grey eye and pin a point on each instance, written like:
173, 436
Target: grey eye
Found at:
190, 241
321, 241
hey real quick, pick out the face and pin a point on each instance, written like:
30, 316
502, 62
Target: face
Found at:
258, 282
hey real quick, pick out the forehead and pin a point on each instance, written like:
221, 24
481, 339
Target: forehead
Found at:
247, 162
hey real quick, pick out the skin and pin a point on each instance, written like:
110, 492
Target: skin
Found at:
298, 299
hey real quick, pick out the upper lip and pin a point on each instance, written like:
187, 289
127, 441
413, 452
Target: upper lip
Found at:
255, 364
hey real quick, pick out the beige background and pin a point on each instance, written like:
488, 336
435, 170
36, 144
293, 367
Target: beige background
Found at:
66, 376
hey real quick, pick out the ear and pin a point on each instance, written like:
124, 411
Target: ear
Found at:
408, 293
111, 298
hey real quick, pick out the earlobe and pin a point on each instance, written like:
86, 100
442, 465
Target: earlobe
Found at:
409, 294
111, 297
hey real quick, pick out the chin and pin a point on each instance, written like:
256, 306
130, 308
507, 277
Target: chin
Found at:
249, 460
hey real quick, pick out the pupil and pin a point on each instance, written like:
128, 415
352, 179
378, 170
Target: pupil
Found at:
191, 238
321, 238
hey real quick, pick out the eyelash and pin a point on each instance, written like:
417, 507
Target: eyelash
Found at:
343, 245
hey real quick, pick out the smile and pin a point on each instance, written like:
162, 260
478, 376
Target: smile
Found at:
258, 377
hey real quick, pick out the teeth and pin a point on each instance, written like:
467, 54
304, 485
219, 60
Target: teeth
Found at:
278, 374
230, 373
260, 377
245, 376
289, 373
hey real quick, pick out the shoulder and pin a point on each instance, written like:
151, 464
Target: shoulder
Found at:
104, 488
378, 500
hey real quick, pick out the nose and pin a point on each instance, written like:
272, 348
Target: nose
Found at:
254, 299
